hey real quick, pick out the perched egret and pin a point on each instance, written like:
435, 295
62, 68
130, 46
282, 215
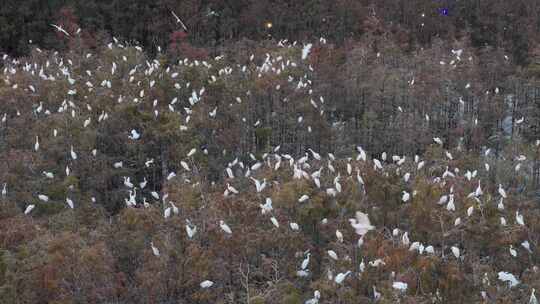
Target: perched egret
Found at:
29, 209
225, 227
341, 277
155, 250
206, 284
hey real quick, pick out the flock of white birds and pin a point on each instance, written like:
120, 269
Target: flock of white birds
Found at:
310, 167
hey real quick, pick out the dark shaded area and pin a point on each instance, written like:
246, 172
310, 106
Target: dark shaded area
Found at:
512, 25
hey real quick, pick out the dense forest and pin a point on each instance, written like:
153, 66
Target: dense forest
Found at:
269, 152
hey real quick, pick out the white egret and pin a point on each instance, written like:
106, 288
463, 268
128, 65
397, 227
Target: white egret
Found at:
274, 222
502, 193
508, 277
69, 202
206, 284
401, 286
191, 231
225, 227
455, 251
29, 209
134, 135
73, 154
303, 198
155, 250
294, 226
341, 277
305, 262
332, 254
361, 223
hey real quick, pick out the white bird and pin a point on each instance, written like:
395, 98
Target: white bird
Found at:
175, 209
143, 183
438, 140
455, 251
376, 294
532, 298
69, 202
513, 252
48, 174
225, 227
377, 164
305, 262
333, 254
508, 277
362, 154
405, 197
450, 206
331, 192
361, 223
302, 273
256, 166
36, 145
206, 284
341, 277
478, 191
87, 122
306, 50
274, 222
316, 155
134, 135
171, 175
259, 187
231, 189
73, 154
191, 231
43, 197
303, 198
213, 113
377, 263
401, 286
29, 209
315, 299
127, 182
339, 236
60, 29
525, 244
179, 21
4, 190
501, 191
267, 207
470, 210
405, 239
294, 226
519, 219
167, 212
155, 250
229, 172
406, 177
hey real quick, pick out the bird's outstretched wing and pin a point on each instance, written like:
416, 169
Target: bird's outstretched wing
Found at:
60, 29
179, 21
